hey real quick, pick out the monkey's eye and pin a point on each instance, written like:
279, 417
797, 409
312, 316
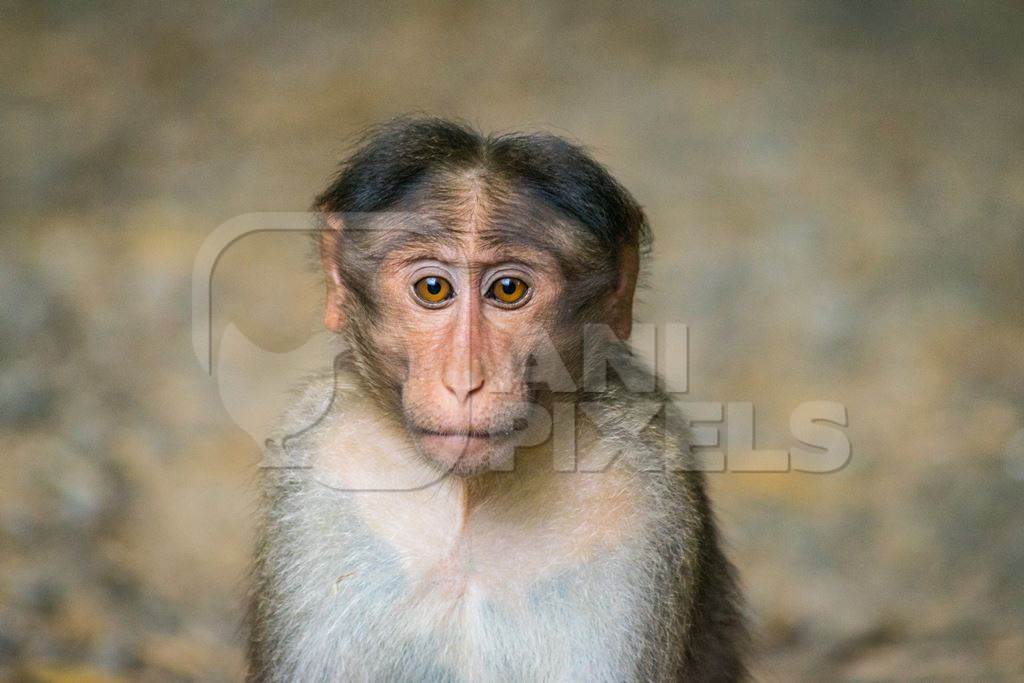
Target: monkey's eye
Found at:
433, 290
509, 291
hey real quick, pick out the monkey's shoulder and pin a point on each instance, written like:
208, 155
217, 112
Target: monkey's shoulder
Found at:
645, 431
316, 403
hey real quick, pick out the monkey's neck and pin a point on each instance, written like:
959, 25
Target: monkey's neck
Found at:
367, 451
482, 490
474, 491
527, 519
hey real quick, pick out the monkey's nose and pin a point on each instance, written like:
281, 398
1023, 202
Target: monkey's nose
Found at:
463, 373
463, 384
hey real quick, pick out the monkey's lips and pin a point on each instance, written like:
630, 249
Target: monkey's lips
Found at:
467, 433
464, 451
461, 438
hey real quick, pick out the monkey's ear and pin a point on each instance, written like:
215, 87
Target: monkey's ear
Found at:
621, 314
330, 242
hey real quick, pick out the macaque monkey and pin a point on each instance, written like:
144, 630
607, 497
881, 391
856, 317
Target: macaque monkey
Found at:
459, 499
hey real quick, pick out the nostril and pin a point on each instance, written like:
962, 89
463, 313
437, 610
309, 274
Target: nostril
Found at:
465, 387
464, 384
463, 372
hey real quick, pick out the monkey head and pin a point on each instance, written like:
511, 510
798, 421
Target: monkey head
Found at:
456, 263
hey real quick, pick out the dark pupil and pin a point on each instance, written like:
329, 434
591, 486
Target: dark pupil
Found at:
433, 285
508, 286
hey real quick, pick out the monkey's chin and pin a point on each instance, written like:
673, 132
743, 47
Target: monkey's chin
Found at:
466, 455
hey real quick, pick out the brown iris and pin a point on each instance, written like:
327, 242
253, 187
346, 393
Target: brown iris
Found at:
509, 290
433, 290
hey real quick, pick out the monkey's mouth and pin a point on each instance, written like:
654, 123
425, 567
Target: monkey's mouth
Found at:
499, 428
462, 433
464, 450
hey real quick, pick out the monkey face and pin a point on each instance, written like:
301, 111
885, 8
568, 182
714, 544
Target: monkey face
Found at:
459, 323
468, 281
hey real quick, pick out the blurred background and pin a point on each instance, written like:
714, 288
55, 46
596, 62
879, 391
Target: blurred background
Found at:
837, 196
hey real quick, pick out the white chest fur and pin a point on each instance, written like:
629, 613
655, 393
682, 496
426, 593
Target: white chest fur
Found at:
471, 605
393, 573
